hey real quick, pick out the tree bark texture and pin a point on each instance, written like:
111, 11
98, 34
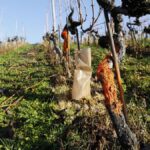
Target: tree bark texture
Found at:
126, 137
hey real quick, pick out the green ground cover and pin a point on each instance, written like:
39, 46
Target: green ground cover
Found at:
37, 113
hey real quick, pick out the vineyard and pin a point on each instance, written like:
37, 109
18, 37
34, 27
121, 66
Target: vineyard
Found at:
37, 111
78, 89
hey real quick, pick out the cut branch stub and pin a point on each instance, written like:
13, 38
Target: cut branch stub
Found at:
71, 24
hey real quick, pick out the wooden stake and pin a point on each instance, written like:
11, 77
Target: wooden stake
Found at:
54, 15
78, 42
60, 21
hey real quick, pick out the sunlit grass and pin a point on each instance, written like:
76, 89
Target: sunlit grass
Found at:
47, 118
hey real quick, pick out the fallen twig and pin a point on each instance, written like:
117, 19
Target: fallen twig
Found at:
14, 103
6, 100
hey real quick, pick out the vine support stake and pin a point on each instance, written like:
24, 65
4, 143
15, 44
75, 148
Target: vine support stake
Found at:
78, 42
54, 15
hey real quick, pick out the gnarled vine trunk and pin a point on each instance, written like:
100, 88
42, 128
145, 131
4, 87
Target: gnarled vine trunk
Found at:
126, 137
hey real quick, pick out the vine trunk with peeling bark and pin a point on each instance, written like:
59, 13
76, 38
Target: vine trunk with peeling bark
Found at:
126, 137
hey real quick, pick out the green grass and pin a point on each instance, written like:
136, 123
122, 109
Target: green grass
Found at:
47, 118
